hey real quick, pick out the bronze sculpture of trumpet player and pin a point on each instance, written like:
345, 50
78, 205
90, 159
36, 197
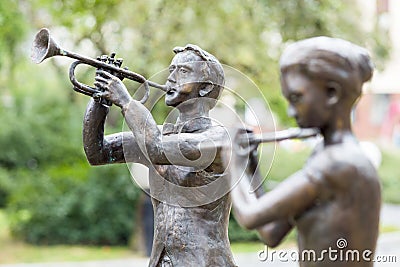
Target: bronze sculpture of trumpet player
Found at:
189, 190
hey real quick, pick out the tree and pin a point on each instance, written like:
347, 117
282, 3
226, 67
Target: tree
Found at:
13, 27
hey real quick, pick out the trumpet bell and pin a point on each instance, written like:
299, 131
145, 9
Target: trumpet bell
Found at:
44, 46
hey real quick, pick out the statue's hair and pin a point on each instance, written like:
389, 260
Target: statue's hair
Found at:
336, 59
214, 71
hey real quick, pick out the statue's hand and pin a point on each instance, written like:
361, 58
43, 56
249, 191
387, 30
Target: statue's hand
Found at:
112, 61
238, 153
114, 90
243, 144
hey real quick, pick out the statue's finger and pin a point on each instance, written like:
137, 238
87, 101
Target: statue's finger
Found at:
104, 74
102, 85
101, 79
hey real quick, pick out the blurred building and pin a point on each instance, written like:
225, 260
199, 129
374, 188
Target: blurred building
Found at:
377, 116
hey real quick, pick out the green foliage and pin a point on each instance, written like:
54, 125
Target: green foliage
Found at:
74, 204
39, 131
5, 187
286, 162
52, 194
390, 175
13, 26
381, 47
247, 35
239, 234
301, 19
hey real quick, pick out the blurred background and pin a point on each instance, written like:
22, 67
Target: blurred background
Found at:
55, 207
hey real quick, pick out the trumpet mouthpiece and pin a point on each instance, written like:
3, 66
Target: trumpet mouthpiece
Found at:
158, 86
163, 88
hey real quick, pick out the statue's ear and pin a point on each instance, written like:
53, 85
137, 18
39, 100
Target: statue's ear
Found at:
334, 93
206, 89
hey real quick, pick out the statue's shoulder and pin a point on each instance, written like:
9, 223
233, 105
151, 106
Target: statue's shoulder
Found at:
339, 164
219, 129
214, 132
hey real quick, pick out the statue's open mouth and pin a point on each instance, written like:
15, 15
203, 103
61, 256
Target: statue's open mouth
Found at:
171, 91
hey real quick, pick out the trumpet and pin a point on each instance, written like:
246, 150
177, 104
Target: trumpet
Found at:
44, 47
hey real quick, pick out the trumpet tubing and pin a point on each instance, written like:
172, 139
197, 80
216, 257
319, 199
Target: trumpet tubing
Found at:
44, 47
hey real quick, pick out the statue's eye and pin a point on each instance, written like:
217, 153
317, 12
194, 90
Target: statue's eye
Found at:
171, 69
294, 98
183, 70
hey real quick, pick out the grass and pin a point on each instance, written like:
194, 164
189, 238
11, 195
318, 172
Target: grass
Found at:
383, 229
251, 247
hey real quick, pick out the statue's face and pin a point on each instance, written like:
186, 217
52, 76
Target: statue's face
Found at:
186, 78
308, 99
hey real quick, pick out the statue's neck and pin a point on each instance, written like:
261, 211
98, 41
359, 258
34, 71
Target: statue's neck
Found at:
190, 112
337, 131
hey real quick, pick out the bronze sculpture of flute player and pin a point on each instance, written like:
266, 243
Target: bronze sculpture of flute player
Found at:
334, 200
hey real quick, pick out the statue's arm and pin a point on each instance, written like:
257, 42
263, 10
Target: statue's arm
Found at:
178, 149
144, 129
114, 148
273, 233
288, 200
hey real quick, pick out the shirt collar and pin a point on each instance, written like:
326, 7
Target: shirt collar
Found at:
193, 125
